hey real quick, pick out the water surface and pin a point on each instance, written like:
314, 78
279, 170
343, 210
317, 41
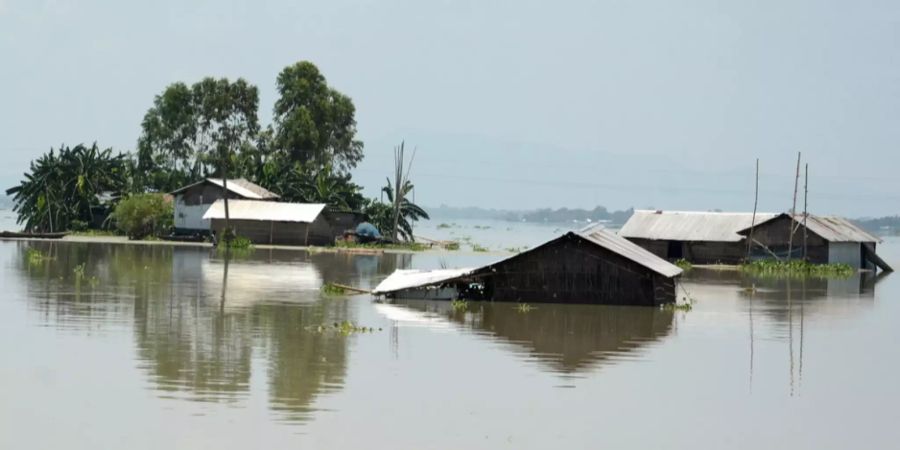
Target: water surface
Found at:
157, 347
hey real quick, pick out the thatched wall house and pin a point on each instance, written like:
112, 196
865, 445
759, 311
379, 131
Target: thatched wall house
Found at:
593, 265
698, 237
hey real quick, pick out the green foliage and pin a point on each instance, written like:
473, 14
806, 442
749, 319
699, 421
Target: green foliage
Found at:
333, 289
143, 215
315, 124
346, 328
459, 304
797, 268
192, 132
452, 245
238, 243
409, 211
684, 264
524, 308
62, 187
677, 306
478, 248
410, 246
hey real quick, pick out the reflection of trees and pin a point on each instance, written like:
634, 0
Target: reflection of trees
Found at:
569, 338
191, 345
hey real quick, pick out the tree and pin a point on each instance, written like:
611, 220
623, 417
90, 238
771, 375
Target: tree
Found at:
167, 154
143, 215
225, 114
315, 124
404, 212
61, 189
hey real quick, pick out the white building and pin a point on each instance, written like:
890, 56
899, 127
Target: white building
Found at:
193, 201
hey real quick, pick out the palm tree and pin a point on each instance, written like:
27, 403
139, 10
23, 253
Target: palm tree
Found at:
405, 212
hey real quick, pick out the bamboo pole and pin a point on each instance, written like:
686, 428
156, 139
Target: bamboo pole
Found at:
805, 211
793, 211
755, 203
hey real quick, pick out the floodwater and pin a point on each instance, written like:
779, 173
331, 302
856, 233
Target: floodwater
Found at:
155, 347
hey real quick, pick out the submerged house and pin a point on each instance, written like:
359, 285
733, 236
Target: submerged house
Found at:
192, 201
819, 239
277, 223
698, 237
592, 265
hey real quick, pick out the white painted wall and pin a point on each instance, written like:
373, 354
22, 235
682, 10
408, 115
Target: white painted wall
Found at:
190, 217
845, 252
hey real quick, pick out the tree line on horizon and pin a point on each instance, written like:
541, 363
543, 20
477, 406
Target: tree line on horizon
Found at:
211, 129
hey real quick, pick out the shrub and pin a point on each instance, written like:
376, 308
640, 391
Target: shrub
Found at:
142, 215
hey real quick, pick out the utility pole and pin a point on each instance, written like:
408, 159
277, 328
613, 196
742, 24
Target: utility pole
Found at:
753, 219
805, 215
794, 211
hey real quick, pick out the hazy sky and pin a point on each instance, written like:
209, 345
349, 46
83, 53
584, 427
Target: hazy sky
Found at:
512, 104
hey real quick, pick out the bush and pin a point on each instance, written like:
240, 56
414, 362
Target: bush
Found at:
142, 215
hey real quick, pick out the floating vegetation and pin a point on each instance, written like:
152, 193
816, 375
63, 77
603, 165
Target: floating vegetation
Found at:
346, 328
515, 249
239, 243
333, 289
409, 246
687, 306
797, 268
482, 227
78, 271
478, 248
459, 304
453, 245
444, 225
684, 264
524, 308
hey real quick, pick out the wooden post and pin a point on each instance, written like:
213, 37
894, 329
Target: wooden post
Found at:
755, 203
793, 211
271, 230
805, 215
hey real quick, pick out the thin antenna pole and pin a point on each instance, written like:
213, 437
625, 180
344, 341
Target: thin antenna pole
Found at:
753, 219
794, 210
805, 211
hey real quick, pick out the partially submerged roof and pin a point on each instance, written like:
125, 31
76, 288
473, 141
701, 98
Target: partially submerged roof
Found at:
595, 234
263, 210
689, 225
237, 186
830, 228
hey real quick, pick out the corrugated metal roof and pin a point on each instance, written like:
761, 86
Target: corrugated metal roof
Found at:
406, 279
263, 210
689, 225
832, 228
621, 246
238, 186
595, 234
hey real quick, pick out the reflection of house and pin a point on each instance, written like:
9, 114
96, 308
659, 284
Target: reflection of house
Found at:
568, 338
192, 201
699, 237
592, 265
826, 239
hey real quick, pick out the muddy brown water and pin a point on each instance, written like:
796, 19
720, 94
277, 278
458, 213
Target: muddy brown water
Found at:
154, 347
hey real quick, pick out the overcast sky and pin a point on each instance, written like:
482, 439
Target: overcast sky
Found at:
511, 104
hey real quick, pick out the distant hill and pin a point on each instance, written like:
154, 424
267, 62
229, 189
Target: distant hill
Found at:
881, 225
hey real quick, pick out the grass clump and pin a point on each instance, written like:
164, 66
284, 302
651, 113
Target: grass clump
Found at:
452, 245
797, 268
239, 243
333, 289
524, 308
78, 271
479, 249
684, 264
410, 246
459, 304
677, 306
444, 225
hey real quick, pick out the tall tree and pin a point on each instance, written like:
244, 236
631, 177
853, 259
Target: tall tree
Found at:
167, 153
226, 119
315, 124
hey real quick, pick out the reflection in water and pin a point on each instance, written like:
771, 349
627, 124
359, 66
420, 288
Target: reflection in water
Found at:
199, 319
567, 338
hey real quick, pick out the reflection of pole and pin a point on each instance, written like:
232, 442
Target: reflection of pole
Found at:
225, 279
791, 332
755, 202
802, 301
750, 315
